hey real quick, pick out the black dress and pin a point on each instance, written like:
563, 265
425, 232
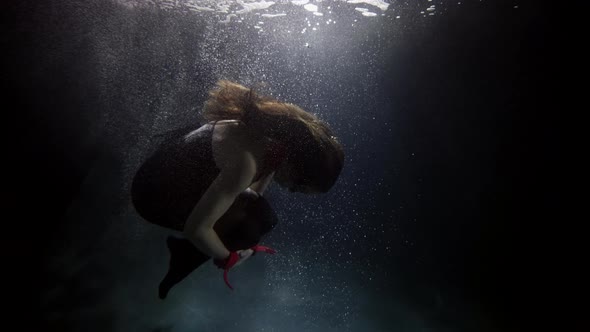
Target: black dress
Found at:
169, 184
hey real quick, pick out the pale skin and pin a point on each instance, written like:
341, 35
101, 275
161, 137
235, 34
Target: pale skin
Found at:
238, 154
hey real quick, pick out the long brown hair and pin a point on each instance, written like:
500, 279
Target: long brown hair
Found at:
314, 154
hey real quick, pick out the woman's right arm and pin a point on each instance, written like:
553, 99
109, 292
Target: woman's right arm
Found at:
231, 181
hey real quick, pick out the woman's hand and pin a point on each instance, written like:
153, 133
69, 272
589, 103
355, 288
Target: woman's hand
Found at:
244, 255
237, 257
234, 259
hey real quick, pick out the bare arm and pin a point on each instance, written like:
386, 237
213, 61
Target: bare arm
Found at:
260, 185
231, 181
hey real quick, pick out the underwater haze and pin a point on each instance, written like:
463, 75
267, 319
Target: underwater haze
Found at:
423, 231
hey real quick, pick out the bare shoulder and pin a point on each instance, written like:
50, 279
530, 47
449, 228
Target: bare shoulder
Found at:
231, 133
229, 127
232, 144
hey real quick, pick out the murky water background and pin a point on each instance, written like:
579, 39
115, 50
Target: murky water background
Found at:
424, 95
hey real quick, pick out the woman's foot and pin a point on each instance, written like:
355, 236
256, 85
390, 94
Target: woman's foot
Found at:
184, 259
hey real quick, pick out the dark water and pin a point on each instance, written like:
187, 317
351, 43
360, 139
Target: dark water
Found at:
434, 225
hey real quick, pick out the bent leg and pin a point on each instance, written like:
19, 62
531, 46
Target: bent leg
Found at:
241, 227
184, 259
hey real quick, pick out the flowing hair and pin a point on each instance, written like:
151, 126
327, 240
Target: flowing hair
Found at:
313, 153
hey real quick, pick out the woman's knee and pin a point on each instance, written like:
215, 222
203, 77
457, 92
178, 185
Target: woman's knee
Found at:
262, 214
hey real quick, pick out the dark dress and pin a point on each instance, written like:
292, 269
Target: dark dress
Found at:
169, 184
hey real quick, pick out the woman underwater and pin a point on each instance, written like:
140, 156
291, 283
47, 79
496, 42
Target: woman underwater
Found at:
208, 182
